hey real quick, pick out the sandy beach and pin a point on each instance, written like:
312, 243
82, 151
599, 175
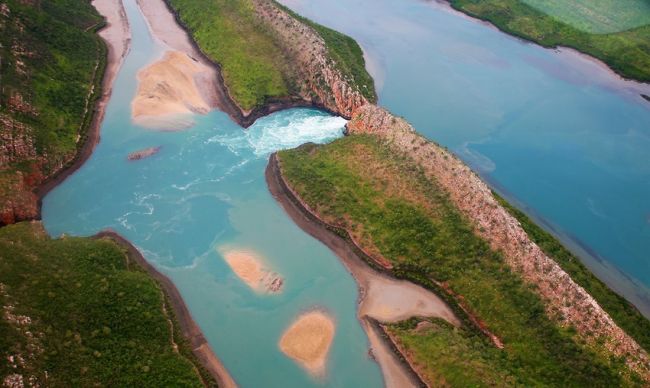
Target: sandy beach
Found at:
307, 341
382, 298
167, 32
168, 93
250, 268
117, 36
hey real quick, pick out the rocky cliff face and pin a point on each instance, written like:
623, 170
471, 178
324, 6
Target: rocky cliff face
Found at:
17, 201
318, 79
566, 302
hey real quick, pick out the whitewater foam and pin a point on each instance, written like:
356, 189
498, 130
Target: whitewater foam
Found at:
273, 133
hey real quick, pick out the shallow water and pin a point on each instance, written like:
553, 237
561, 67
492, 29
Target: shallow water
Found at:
555, 132
204, 190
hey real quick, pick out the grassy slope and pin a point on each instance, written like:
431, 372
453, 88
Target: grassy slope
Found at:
52, 58
626, 52
391, 208
253, 64
61, 51
623, 312
597, 16
95, 318
347, 54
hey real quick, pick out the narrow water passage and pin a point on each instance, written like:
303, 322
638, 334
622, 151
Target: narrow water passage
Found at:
556, 133
205, 191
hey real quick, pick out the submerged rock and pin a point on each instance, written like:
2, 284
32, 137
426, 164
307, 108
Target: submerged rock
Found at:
144, 153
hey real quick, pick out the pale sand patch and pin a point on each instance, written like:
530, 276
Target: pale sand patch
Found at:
307, 341
249, 267
116, 34
167, 90
392, 300
163, 27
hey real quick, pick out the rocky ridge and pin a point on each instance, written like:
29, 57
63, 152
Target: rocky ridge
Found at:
566, 301
318, 79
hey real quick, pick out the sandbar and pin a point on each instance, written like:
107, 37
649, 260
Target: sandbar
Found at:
249, 267
382, 298
166, 90
307, 341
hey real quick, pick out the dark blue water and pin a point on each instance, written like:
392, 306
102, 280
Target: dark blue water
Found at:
556, 133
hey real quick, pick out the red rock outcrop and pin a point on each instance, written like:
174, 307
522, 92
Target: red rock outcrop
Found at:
566, 301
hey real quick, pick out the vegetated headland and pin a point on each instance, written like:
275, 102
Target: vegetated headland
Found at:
411, 207
625, 50
84, 312
51, 72
272, 59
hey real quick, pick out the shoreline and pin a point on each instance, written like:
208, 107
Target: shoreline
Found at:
229, 105
395, 366
116, 36
188, 327
117, 48
560, 48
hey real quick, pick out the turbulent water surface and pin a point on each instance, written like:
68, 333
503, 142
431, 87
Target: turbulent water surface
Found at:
555, 132
204, 191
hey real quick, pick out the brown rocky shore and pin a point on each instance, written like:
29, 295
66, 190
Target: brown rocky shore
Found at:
566, 302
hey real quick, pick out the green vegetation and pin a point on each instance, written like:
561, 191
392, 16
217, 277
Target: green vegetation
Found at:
52, 66
347, 54
79, 313
253, 62
626, 52
452, 357
597, 16
389, 206
623, 312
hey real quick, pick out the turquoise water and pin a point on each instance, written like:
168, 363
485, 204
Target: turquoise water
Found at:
556, 133
204, 190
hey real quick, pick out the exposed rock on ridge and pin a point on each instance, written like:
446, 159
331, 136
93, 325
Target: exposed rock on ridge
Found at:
566, 301
318, 80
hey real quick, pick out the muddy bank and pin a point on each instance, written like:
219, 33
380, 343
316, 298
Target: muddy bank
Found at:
374, 305
189, 328
117, 37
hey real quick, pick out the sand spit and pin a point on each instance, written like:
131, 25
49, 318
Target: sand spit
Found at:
307, 341
167, 91
116, 34
169, 33
249, 267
